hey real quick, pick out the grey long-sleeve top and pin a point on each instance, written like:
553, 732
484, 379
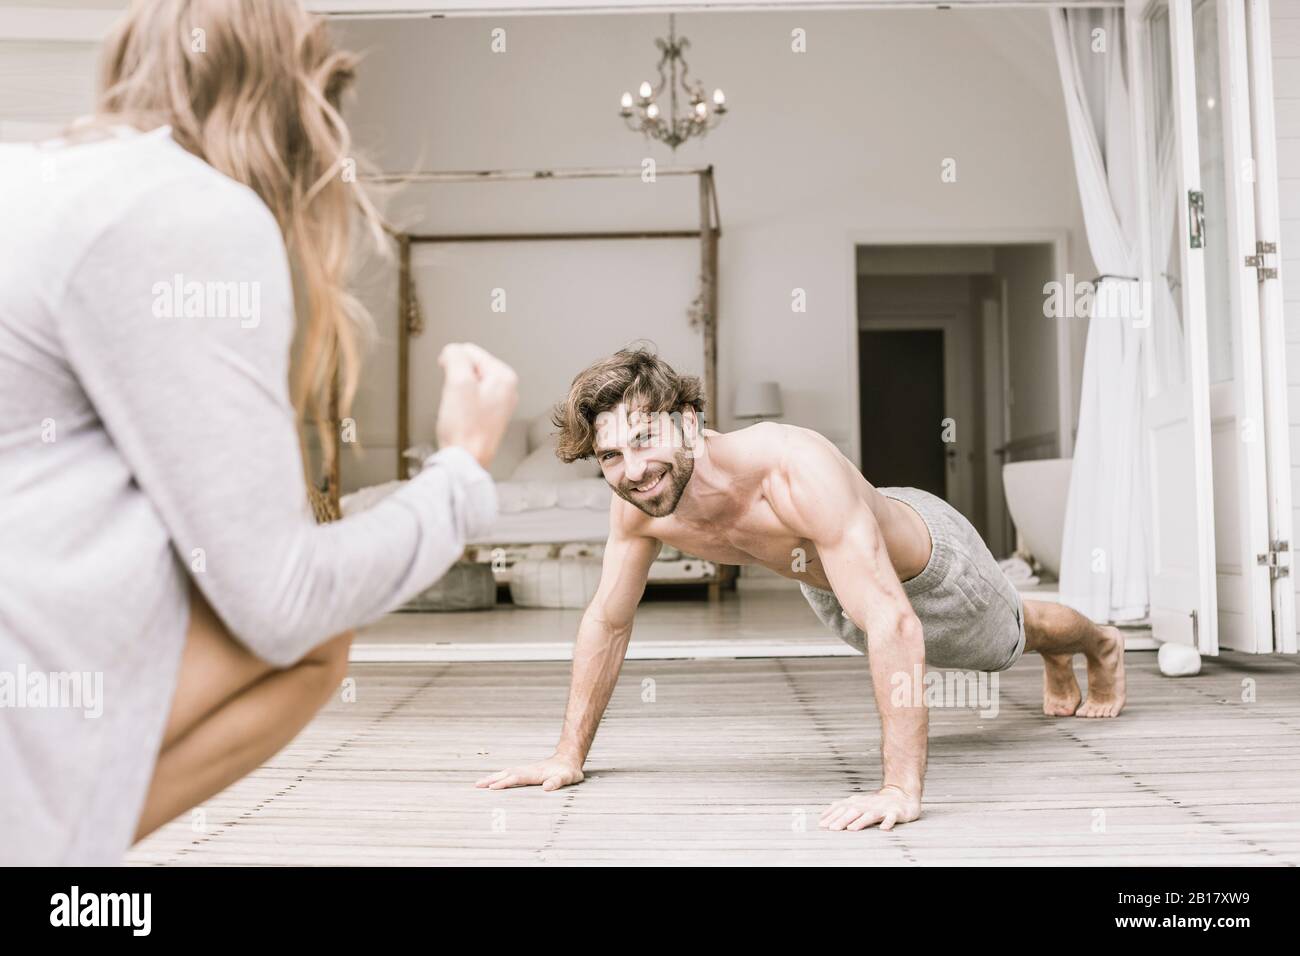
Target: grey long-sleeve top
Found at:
147, 439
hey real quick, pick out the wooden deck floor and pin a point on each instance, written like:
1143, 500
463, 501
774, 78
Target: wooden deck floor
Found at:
732, 761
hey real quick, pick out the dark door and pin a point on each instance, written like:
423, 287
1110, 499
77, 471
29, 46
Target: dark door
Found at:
900, 384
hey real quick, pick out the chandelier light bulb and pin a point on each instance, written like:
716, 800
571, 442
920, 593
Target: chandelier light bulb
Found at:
645, 90
718, 98
652, 111
701, 110
626, 102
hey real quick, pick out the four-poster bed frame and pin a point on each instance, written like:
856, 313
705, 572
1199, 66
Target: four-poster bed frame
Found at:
409, 319
703, 312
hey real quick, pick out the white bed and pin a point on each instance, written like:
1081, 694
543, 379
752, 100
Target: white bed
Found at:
546, 508
548, 526
534, 512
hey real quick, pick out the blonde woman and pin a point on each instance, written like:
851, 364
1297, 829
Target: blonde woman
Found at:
170, 613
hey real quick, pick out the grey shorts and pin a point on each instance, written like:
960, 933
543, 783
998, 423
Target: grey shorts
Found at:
970, 611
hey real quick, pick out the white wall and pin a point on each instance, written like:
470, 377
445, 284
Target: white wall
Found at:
545, 286
43, 85
1033, 370
820, 149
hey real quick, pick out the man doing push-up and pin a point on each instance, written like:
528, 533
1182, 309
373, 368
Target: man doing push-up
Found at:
897, 572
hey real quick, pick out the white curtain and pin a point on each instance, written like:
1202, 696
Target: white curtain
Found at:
1104, 551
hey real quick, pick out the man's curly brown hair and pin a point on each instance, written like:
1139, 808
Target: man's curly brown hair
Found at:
633, 376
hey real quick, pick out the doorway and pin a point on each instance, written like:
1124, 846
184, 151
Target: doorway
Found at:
957, 371
902, 400
914, 387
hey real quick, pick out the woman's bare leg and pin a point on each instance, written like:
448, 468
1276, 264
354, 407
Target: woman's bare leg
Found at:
231, 712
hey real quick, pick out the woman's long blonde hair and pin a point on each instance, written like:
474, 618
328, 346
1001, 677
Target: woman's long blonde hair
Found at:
252, 87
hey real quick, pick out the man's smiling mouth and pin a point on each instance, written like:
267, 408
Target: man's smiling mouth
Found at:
651, 486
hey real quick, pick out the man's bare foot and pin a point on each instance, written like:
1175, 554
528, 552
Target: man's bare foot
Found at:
1106, 691
1061, 694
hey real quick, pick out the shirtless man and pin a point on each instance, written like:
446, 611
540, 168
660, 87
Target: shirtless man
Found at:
897, 572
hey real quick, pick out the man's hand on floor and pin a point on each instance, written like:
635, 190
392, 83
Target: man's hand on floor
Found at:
550, 774
887, 806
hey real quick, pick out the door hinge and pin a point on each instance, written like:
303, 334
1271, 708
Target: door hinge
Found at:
1257, 261
1277, 559
1196, 218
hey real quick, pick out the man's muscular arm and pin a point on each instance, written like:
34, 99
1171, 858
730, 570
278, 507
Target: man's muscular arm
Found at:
815, 493
598, 654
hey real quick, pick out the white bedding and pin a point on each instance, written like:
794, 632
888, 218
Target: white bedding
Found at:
547, 526
529, 512
549, 513
584, 494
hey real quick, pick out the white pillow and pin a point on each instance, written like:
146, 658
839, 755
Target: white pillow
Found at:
542, 465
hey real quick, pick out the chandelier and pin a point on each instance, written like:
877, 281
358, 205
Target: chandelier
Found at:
644, 115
